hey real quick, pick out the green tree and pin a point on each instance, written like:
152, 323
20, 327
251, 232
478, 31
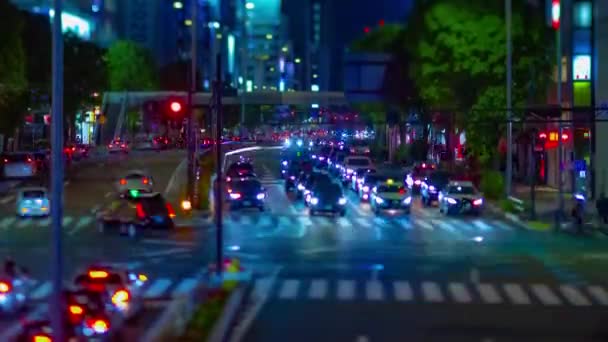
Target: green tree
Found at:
13, 82
130, 67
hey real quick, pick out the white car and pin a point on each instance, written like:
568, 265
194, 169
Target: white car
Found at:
118, 146
460, 198
33, 202
19, 165
352, 163
135, 180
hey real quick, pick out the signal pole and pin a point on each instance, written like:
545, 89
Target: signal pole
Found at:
555, 18
217, 90
57, 175
191, 134
509, 166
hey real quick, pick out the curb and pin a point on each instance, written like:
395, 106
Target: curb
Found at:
223, 327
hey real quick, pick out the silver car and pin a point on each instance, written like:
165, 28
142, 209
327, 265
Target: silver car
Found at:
19, 165
135, 180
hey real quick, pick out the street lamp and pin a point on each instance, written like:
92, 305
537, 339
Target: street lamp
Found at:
250, 5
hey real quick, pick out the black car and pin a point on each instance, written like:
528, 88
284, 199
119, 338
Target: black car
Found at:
322, 157
414, 178
432, 185
138, 210
292, 175
367, 184
336, 161
327, 198
248, 193
307, 180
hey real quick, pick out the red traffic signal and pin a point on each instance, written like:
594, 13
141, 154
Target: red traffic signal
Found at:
175, 107
555, 13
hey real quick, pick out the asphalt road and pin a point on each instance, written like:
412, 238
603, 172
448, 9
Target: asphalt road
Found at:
88, 188
418, 277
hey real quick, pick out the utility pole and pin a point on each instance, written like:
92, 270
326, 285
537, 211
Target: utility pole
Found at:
217, 89
509, 166
556, 14
57, 175
191, 132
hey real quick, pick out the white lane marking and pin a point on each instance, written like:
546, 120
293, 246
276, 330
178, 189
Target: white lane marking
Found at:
43, 290
599, 294
501, 225
374, 290
574, 296
108, 194
363, 222
7, 221
403, 291
184, 286
289, 289
432, 292
157, 288
83, 222
7, 199
443, 225
544, 293
67, 220
489, 294
45, 222
517, 294
344, 222
346, 289
174, 175
318, 289
459, 292
24, 223
482, 225
423, 224
166, 252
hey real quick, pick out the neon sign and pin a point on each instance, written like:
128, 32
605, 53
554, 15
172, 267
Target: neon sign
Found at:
73, 23
581, 66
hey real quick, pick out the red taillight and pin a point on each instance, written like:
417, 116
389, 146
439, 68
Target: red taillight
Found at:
76, 310
110, 146
121, 297
100, 326
123, 181
402, 191
145, 180
123, 145
170, 210
4, 287
29, 160
140, 211
41, 338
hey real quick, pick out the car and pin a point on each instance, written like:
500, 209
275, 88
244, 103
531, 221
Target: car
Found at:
414, 178
33, 202
390, 195
431, 185
334, 164
240, 170
137, 211
357, 177
135, 180
146, 144
124, 287
359, 147
15, 292
369, 181
248, 193
19, 165
291, 176
460, 197
326, 198
354, 162
322, 156
307, 180
118, 146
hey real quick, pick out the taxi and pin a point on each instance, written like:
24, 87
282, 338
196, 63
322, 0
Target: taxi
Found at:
391, 196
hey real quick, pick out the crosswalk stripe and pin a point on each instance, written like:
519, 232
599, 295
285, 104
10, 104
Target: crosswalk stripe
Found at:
378, 221
284, 221
24, 223
262, 287
544, 293
599, 294
7, 199
305, 221
442, 225
423, 224
343, 222
501, 225
84, 221
264, 221
157, 288
346, 289
374, 290
458, 224
289, 289
67, 220
516, 294
246, 220
7, 221
363, 222
489, 294
482, 225
403, 290
432, 292
574, 296
184, 286
45, 222
43, 290
459, 292
405, 223
318, 289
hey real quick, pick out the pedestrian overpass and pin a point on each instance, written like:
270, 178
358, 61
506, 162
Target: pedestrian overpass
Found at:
116, 104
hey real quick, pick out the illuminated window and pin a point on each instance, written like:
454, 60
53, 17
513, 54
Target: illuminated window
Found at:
582, 14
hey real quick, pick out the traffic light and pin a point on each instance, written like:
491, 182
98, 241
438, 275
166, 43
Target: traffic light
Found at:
555, 13
175, 107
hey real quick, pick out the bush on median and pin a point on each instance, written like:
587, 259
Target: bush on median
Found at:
492, 184
205, 316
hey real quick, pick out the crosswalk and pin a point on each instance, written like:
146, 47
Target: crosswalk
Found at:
430, 292
158, 288
452, 225
68, 222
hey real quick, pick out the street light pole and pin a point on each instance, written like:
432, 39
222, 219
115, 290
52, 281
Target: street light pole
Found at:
509, 166
191, 132
218, 86
57, 174
560, 145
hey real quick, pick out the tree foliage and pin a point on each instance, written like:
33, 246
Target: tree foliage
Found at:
130, 67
